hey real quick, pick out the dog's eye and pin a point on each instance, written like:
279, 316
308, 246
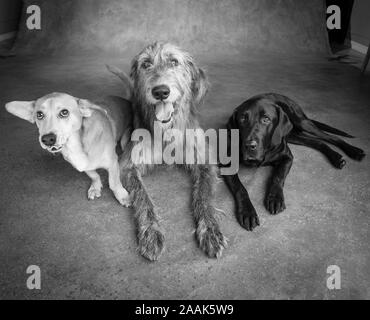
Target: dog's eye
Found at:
265, 120
174, 62
146, 64
39, 115
64, 113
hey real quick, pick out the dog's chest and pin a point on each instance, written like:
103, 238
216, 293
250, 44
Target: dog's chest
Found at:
78, 160
73, 153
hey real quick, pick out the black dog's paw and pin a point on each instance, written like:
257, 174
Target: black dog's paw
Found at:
341, 163
359, 155
356, 153
247, 218
338, 161
274, 201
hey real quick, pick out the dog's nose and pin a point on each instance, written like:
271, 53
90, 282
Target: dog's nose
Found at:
161, 92
49, 139
251, 144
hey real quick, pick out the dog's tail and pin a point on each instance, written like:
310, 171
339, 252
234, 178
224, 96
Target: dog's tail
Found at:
125, 79
330, 129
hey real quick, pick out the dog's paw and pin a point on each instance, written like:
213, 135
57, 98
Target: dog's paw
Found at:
337, 160
247, 217
126, 202
356, 153
151, 242
340, 163
211, 240
123, 197
94, 192
274, 201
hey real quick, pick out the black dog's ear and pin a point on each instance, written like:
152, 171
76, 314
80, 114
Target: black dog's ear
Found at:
282, 128
233, 123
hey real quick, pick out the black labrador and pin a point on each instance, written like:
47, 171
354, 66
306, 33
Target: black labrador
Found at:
266, 123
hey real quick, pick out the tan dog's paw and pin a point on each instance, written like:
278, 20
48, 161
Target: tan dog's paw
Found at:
126, 202
93, 192
123, 197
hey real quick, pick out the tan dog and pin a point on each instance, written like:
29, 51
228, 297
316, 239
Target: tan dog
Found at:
85, 133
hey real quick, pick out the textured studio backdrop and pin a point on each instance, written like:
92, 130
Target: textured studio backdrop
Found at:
88, 249
200, 26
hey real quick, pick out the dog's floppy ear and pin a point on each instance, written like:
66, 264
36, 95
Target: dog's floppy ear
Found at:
22, 109
200, 83
85, 107
282, 128
233, 123
134, 69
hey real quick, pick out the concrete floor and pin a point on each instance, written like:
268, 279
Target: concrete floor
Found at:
87, 249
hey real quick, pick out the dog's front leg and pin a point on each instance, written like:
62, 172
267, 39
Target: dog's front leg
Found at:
208, 233
96, 185
245, 212
150, 236
274, 200
115, 185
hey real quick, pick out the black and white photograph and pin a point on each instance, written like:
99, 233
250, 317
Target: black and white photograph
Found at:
184, 154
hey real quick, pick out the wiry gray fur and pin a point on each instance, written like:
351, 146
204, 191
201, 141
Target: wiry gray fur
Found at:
191, 82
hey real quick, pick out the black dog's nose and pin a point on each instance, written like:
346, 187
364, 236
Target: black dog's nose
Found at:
49, 139
161, 92
251, 145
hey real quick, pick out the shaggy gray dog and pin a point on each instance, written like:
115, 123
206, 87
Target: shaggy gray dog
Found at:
167, 88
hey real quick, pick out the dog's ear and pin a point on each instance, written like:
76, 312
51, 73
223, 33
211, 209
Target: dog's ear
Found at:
85, 107
200, 84
134, 69
233, 123
282, 127
22, 109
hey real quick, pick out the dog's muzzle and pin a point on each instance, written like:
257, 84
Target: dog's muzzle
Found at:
164, 111
55, 149
49, 139
49, 143
252, 154
161, 92
250, 162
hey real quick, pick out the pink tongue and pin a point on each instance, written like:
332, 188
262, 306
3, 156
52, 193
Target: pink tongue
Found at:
163, 111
